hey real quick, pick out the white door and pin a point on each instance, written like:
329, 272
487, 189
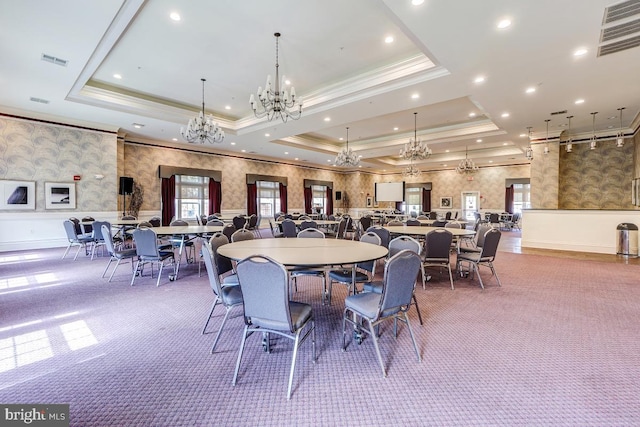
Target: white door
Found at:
470, 203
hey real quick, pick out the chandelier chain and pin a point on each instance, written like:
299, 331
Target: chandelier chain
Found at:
202, 128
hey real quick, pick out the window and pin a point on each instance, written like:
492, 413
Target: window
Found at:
192, 196
318, 197
268, 198
413, 200
521, 197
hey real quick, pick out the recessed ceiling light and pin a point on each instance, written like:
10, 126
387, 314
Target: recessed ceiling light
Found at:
505, 143
340, 139
395, 128
479, 79
490, 161
580, 52
227, 107
446, 151
478, 140
174, 139
472, 114
360, 155
415, 96
233, 143
117, 76
530, 89
504, 23
417, 2
505, 115
522, 135
444, 165
329, 160
388, 39
327, 119
138, 125
267, 134
296, 159
287, 82
244, 151
175, 16
579, 101
286, 152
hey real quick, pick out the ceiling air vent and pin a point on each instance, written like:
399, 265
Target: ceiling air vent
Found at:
621, 11
626, 33
54, 60
40, 100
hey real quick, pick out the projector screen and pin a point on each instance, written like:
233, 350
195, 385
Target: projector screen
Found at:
390, 191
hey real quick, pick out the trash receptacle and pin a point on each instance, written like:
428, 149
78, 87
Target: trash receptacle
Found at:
627, 239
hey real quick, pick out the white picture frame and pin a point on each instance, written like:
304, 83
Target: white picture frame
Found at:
17, 195
446, 202
369, 202
59, 195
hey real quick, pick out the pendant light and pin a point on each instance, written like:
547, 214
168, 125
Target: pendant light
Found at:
528, 151
569, 146
620, 136
546, 143
594, 139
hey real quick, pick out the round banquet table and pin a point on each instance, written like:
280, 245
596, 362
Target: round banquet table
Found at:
320, 222
422, 231
294, 252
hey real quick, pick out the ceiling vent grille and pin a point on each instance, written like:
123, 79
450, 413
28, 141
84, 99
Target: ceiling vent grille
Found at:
620, 11
40, 100
54, 60
626, 33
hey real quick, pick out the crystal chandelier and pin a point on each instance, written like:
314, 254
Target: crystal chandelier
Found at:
276, 102
466, 166
569, 145
620, 135
546, 141
202, 129
593, 142
411, 171
347, 157
528, 152
415, 149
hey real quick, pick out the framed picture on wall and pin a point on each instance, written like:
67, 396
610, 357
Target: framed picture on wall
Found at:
17, 195
59, 195
446, 202
369, 202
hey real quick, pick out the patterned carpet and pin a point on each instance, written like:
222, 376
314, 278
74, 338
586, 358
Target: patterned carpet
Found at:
556, 345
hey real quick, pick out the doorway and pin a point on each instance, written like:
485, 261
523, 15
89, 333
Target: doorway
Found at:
470, 202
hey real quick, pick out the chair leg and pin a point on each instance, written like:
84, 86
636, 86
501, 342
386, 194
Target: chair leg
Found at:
375, 344
66, 251
135, 271
415, 301
477, 270
413, 338
107, 267
244, 339
296, 343
450, 275
213, 307
215, 342
114, 269
495, 274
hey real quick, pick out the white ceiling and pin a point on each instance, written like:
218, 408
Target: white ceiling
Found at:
334, 53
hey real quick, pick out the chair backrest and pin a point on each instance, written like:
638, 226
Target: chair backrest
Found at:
401, 243
413, 214
456, 215
70, 229
477, 216
515, 218
97, 230
212, 269
481, 233
178, 222
383, 233
146, 242
373, 238
311, 233
342, 228
264, 284
400, 274
223, 263
423, 216
453, 224
289, 228
494, 218
253, 221
447, 216
105, 230
307, 223
228, 230
76, 226
148, 224
395, 222
366, 222
242, 234
128, 217
490, 245
433, 215
413, 222
155, 221
88, 228
215, 222
239, 221
437, 223
437, 244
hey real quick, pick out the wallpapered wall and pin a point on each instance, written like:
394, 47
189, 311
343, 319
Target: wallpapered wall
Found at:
596, 179
545, 175
42, 153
